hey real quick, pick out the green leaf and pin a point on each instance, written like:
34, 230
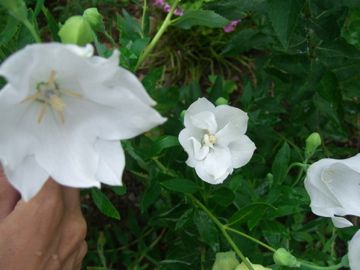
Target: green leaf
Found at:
150, 196
281, 163
163, 143
200, 17
283, 16
180, 185
103, 203
236, 9
223, 196
248, 212
206, 228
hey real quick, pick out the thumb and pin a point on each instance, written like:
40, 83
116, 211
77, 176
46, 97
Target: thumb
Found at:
8, 196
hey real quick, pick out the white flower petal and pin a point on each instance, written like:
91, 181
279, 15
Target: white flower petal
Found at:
201, 105
199, 152
226, 114
15, 144
241, 151
111, 162
117, 115
354, 251
68, 156
86, 51
216, 166
340, 222
28, 177
204, 121
186, 134
334, 190
344, 184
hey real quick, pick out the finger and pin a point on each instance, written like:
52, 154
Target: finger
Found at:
8, 196
72, 199
74, 261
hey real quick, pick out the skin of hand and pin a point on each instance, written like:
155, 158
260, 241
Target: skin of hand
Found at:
46, 233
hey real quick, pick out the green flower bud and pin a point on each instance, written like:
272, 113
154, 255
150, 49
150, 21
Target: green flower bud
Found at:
221, 101
94, 18
182, 116
76, 30
225, 261
312, 142
283, 257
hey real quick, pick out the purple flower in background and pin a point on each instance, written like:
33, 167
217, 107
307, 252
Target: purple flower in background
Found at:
167, 8
231, 26
178, 12
159, 3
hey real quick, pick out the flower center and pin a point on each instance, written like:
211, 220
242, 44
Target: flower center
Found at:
49, 95
209, 140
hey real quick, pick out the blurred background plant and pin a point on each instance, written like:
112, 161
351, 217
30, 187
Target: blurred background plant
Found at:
292, 65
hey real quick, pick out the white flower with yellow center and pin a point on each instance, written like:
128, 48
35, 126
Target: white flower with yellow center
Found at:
215, 141
62, 114
334, 188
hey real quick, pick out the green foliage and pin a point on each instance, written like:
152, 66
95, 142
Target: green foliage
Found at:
292, 65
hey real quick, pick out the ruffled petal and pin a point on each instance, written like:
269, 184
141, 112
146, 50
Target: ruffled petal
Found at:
199, 152
111, 162
241, 151
28, 177
354, 251
186, 134
201, 105
204, 121
344, 184
340, 222
216, 167
226, 114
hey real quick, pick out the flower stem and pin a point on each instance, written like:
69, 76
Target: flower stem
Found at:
143, 17
250, 238
158, 35
32, 30
223, 231
311, 266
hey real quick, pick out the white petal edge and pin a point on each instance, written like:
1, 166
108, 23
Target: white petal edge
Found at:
201, 105
226, 114
28, 177
111, 162
241, 151
205, 121
216, 167
354, 251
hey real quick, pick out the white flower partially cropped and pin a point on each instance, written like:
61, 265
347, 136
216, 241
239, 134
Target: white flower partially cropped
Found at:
214, 140
62, 114
334, 189
354, 251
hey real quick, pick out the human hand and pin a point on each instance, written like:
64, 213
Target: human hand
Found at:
46, 233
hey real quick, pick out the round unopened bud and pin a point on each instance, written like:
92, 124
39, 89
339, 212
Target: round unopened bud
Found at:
221, 101
94, 18
283, 257
312, 143
76, 30
225, 261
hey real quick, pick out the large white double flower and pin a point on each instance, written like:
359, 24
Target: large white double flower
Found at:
215, 141
334, 189
62, 114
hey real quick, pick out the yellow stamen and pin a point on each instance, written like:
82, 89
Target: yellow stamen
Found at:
57, 103
70, 93
42, 112
32, 97
52, 77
